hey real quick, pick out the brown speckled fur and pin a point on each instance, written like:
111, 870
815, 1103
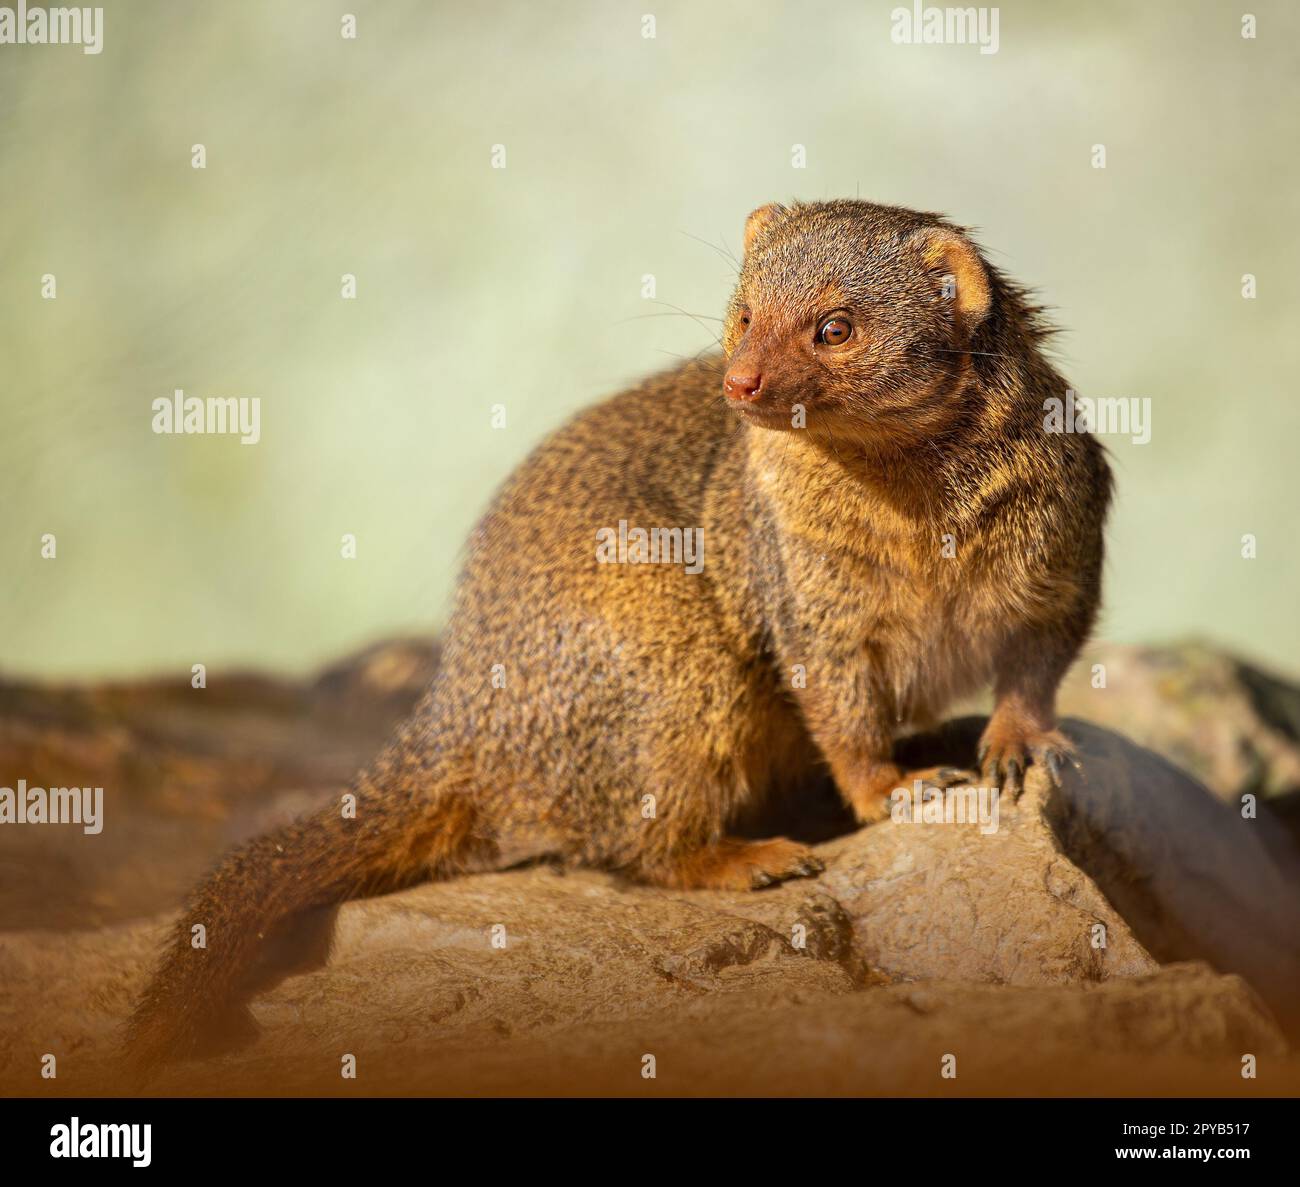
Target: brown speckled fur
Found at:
823, 547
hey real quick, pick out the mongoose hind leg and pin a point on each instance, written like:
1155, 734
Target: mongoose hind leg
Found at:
735, 864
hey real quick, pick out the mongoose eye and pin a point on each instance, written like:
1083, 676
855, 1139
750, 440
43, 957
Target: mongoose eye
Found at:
744, 319
834, 331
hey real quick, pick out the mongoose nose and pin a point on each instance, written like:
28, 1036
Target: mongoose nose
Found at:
742, 385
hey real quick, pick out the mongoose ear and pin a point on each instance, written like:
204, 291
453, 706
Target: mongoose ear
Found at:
960, 273
760, 220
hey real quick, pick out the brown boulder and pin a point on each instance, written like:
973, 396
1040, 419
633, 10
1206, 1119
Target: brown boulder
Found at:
1129, 933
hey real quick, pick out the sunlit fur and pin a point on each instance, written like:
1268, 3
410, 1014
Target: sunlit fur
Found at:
921, 537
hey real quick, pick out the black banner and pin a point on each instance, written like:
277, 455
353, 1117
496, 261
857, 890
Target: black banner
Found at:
370, 1134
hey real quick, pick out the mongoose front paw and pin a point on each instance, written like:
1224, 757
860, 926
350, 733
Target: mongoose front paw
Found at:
873, 801
1006, 751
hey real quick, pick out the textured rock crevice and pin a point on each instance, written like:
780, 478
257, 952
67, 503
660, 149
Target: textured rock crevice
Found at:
1131, 932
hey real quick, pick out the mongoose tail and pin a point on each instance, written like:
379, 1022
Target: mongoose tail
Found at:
370, 843
892, 523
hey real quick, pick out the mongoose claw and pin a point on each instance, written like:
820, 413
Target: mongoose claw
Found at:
1006, 772
939, 778
803, 866
735, 864
1003, 769
775, 861
1056, 760
1004, 759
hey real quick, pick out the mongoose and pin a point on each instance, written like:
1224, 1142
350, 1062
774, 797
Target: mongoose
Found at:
886, 526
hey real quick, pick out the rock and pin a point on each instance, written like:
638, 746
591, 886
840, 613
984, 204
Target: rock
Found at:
1193, 876
1226, 722
946, 901
595, 976
380, 683
1128, 933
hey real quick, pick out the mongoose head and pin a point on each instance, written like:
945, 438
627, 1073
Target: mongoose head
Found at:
854, 321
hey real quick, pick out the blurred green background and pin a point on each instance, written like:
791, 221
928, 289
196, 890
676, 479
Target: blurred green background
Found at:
522, 286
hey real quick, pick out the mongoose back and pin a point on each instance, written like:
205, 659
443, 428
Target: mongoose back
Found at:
886, 525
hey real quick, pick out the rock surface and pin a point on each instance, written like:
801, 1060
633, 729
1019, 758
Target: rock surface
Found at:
1129, 934
1222, 720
